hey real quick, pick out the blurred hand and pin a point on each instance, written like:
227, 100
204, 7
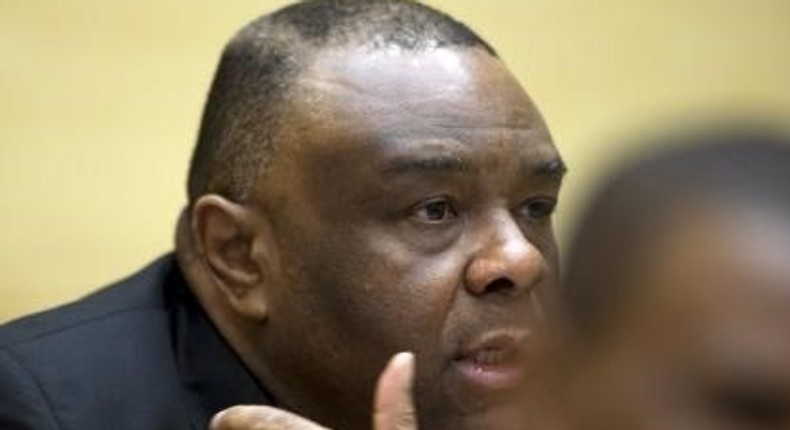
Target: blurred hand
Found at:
393, 408
257, 417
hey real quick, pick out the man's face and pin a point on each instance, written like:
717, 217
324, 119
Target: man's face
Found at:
703, 342
411, 205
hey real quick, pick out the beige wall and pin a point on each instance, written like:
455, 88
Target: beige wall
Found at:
100, 101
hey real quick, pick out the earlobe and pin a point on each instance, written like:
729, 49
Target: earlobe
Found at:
227, 242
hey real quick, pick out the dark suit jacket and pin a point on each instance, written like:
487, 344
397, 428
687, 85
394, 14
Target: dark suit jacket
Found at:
139, 354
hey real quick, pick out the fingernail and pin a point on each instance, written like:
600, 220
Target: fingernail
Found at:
404, 358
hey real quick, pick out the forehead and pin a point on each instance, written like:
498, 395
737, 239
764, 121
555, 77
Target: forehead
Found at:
723, 249
722, 272
461, 94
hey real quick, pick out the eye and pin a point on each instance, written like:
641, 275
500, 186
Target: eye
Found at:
435, 211
539, 209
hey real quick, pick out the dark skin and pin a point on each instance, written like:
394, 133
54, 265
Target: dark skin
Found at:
409, 208
702, 343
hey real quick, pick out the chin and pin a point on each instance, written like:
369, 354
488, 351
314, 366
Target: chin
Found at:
500, 416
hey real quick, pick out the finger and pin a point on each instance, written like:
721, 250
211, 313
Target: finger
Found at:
393, 404
260, 418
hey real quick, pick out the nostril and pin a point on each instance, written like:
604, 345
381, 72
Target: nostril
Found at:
500, 285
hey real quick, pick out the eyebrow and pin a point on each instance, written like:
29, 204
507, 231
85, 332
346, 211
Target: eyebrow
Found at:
553, 168
440, 163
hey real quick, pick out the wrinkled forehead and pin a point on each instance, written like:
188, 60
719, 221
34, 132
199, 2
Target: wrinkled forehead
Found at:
463, 88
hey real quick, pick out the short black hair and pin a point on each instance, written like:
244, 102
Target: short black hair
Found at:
736, 168
243, 115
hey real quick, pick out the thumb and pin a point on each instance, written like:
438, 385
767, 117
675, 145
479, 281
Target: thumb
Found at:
393, 407
258, 417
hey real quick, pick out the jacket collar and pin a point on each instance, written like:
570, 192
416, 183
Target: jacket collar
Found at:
214, 377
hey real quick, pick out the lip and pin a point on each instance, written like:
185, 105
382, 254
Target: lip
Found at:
494, 361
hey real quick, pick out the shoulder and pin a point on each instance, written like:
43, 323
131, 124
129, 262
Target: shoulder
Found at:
22, 403
105, 350
141, 292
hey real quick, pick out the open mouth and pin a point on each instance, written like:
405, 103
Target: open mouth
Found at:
494, 361
493, 356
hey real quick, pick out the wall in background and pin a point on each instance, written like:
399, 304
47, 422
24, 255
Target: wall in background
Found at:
100, 102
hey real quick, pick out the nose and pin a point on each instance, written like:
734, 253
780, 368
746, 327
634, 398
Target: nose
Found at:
506, 262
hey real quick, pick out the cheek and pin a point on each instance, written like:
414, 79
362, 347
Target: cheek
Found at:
370, 285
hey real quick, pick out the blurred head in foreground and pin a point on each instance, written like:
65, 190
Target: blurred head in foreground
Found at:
678, 291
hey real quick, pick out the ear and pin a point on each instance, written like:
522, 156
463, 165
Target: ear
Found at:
230, 239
